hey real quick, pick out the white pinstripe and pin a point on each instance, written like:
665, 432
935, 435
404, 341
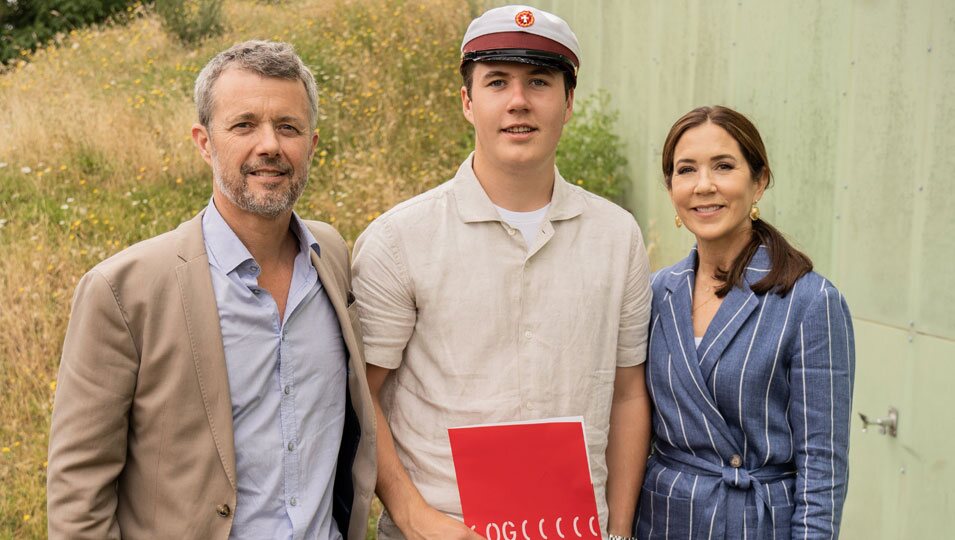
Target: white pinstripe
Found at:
653, 393
679, 411
792, 436
670, 494
745, 524
656, 489
692, 495
713, 519
832, 425
710, 434
851, 354
723, 329
742, 377
779, 346
716, 369
772, 511
805, 423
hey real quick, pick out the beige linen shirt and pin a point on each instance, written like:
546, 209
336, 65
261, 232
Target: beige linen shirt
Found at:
482, 328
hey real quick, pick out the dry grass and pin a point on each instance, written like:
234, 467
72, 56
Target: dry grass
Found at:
95, 155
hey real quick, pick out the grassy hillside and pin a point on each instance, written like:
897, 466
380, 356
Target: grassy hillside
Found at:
95, 155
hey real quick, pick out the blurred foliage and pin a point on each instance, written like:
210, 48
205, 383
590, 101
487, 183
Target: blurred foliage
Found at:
191, 21
26, 24
590, 153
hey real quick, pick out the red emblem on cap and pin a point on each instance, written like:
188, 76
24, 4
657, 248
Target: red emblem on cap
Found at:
524, 19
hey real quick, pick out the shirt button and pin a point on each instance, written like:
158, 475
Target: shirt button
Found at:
254, 268
293, 501
528, 334
256, 291
736, 461
288, 390
223, 510
511, 232
291, 447
529, 406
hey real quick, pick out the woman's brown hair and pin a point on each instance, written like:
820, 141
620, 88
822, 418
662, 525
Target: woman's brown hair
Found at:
787, 264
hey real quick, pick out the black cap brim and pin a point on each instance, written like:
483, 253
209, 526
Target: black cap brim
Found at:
525, 56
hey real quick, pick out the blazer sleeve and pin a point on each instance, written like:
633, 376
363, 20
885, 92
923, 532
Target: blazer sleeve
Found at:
88, 433
821, 378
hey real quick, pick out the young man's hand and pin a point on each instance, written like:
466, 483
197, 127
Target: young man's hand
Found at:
429, 524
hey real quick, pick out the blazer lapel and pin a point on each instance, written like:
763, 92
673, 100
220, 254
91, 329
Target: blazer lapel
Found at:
675, 310
336, 295
205, 339
733, 313
675, 320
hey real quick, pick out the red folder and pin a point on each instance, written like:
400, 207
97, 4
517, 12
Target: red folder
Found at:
526, 480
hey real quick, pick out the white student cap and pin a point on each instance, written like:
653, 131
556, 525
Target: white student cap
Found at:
522, 34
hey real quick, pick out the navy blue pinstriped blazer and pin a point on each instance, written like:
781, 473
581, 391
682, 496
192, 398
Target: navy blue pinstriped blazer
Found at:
751, 428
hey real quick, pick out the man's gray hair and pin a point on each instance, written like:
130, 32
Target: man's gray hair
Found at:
265, 58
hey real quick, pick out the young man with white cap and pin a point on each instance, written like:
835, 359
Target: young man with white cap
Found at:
506, 293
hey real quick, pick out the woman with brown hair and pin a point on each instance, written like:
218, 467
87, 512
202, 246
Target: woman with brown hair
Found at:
750, 359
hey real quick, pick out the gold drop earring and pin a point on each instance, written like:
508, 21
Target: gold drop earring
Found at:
754, 212
677, 221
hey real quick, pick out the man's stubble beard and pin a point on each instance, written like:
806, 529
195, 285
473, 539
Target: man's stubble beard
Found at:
276, 200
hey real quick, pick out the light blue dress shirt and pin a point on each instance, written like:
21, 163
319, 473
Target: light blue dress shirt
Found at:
287, 381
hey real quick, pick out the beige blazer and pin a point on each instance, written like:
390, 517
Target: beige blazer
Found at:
141, 442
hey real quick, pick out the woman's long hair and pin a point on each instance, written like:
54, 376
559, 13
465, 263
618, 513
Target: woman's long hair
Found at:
788, 264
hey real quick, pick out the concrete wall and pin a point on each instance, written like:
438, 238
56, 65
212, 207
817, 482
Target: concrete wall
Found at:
856, 102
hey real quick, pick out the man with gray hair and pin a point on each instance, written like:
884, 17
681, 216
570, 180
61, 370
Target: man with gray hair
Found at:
212, 383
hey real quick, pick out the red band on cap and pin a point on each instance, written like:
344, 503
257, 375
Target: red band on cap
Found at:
519, 40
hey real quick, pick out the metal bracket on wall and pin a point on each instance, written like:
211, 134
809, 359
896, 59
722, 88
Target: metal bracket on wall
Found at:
887, 425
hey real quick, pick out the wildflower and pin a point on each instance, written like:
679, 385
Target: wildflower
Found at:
26, 170
5, 449
2, 164
26, 517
